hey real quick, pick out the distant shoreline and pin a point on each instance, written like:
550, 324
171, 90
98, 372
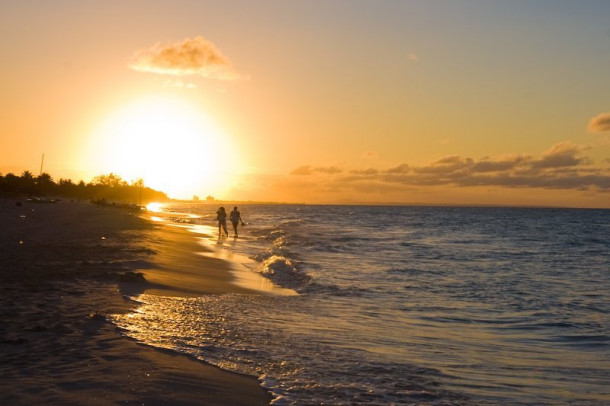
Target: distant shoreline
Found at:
383, 204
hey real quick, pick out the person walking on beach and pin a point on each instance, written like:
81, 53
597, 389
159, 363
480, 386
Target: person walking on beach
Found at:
236, 219
221, 216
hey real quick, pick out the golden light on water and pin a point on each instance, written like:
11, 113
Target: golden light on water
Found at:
167, 142
154, 207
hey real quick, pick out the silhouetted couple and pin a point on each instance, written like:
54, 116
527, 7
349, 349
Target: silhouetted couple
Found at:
221, 216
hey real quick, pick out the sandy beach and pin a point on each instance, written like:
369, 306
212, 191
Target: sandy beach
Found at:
66, 266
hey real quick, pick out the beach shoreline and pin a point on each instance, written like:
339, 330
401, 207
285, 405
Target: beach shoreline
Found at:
66, 267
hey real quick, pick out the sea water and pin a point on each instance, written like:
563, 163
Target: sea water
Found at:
405, 305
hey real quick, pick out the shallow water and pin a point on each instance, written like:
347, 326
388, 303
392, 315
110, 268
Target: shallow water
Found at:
403, 305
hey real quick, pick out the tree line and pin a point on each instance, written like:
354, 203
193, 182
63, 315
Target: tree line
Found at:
103, 188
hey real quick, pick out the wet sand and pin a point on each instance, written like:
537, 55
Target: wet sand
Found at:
66, 266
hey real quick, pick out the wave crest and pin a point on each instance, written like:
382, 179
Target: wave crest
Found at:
283, 272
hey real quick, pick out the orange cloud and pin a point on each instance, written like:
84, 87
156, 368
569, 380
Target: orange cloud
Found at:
560, 155
302, 170
370, 154
192, 56
600, 123
368, 171
308, 170
330, 170
560, 167
500, 165
402, 168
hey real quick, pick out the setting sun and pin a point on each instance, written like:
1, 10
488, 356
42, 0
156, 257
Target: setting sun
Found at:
168, 143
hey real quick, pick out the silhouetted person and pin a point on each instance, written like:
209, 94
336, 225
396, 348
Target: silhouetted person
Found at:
236, 219
221, 216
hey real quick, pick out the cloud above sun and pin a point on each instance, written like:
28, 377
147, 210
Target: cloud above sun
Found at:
600, 123
192, 56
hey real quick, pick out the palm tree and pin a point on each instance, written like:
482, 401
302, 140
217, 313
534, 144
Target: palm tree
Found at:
27, 183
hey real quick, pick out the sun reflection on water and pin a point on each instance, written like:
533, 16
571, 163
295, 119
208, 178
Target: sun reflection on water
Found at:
154, 207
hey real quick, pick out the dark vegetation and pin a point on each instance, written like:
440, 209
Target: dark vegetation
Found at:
103, 188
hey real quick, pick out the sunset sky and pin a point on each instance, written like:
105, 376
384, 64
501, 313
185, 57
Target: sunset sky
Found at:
443, 102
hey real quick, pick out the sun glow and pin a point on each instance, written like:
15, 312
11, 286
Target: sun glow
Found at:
154, 207
174, 147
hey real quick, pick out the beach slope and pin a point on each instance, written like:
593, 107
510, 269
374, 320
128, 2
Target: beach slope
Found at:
66, 266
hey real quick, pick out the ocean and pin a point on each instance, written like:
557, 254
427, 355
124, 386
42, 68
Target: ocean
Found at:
403, 305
